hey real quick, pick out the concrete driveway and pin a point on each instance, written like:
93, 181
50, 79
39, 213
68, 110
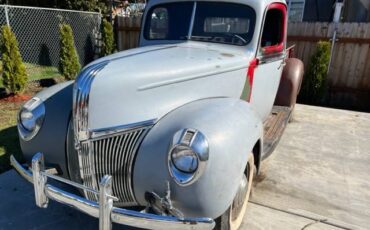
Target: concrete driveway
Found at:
318, 178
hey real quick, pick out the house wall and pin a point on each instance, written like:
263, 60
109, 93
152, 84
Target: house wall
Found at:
319, 10
323, 10
357, 11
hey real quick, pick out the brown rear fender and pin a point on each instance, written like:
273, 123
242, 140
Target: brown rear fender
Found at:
290, 83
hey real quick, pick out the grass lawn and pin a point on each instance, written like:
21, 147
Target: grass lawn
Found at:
36, 72
9, 143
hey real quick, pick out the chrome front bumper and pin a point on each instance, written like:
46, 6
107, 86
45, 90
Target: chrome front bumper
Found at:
104, 210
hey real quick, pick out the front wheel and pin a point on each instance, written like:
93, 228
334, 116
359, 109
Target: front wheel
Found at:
233, 217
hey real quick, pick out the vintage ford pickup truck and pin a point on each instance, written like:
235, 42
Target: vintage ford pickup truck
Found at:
168, 135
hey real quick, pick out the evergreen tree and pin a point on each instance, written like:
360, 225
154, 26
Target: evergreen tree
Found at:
14, 71
69, 64
315, 81
107, 39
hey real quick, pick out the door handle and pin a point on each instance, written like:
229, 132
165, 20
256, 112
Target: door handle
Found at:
282, 65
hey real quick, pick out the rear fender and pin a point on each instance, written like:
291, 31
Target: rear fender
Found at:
232, 129
290, 83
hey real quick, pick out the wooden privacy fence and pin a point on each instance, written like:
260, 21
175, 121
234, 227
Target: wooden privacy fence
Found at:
349, 76
127, 32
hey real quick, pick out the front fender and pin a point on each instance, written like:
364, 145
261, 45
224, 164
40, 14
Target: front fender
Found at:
231, 127
51, 139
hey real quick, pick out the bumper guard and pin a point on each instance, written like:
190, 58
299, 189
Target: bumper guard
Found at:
104, 209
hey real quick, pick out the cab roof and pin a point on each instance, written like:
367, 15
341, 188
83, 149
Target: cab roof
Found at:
256, 4
259, 6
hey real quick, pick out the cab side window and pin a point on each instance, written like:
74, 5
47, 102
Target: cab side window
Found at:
274, 30
159, 23
168, 21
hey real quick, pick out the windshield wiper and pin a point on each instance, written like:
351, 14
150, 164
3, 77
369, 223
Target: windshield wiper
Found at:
202, 37
209, 38
236, 36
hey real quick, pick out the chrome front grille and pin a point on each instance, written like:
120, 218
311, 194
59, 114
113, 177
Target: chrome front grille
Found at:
81, 93
108, 151
114, 156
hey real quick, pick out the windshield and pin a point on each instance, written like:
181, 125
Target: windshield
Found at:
227, 23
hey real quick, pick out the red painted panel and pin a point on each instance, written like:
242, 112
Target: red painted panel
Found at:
250, 74
280, 47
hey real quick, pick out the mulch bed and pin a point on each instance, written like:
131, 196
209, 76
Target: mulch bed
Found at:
16, 98
33, 87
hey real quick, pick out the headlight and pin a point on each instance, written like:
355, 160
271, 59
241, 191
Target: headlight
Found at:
27, 120
184, 159
188, 156
30, 118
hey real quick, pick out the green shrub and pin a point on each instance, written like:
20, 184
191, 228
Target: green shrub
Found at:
107, 39
14, 71
69, 64
315, 81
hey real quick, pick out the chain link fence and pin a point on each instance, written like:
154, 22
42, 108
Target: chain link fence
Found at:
37, 32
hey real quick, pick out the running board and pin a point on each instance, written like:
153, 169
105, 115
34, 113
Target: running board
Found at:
274, 128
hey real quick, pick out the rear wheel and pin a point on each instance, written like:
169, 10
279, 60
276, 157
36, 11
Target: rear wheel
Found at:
233, 217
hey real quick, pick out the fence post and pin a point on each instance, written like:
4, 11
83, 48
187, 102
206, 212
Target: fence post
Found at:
6, 15
336, 20
98, 37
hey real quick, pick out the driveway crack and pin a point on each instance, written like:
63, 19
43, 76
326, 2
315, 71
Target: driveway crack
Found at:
316, 220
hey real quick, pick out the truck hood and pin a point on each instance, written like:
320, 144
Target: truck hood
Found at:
146, 83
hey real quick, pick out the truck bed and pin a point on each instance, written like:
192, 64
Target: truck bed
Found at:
274, 128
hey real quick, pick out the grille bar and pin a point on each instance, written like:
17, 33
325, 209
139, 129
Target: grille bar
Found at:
87, 174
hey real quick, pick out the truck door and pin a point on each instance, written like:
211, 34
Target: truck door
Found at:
270, 59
